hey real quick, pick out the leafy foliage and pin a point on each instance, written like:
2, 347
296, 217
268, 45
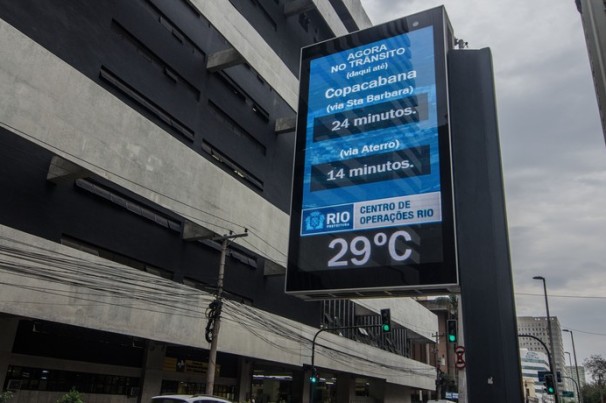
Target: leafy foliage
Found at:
596, 365
6, 396
73, 396
596, 391
593, 393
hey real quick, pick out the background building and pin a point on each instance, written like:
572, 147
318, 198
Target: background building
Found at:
594, 25
573, 374
131, 133
533, 362
537, 327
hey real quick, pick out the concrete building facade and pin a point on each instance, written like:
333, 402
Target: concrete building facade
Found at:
534, 362
131, 134
538, 327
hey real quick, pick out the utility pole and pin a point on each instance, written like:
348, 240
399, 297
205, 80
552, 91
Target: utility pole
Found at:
215, 315
385, 327
554, 367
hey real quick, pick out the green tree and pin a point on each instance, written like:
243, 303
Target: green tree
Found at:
73, 396
592, 393
595, 391
6, 396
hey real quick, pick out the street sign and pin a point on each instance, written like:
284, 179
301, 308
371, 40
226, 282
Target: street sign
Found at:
460, 363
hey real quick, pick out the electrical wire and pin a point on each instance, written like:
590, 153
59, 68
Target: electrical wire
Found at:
590, 333
562, 296
157, 296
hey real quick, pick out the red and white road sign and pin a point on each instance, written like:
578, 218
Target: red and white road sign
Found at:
460, 363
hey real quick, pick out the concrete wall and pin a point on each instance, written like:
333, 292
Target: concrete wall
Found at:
247, 41
407, 312
48, 102
397, 394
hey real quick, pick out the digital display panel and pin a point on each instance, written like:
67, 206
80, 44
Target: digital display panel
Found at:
372, 196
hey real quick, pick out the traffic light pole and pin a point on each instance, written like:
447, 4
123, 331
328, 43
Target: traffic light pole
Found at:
551, 369
576, 385
313, 350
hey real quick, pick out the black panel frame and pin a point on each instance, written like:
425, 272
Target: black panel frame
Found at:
386, 280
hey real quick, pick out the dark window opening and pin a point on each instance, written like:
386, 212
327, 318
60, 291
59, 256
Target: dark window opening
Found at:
242, 256
242, 95
145, 103
260, 112
231, 166
304, 21
266, 14
52, 380
171, 27
129, 204
114, 257
235, 127
152, 57
233, 87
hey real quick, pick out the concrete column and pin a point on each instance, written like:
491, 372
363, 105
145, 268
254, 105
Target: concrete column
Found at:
377, 390
152, 371
346, 387
7, 338
245, 373
397, 394
300, 386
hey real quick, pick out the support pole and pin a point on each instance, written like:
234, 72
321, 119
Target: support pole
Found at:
549, 358
212, 355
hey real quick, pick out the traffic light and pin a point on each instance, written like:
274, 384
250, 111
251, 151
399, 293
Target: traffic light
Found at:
451, 330
314, 375
385, 320
549, 386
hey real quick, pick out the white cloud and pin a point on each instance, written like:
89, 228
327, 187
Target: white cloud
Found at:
553, 151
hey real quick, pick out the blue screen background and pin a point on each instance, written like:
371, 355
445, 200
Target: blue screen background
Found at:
419, 57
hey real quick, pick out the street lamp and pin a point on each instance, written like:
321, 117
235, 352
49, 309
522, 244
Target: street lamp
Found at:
553, 364
574, 352
569, 359
572, 379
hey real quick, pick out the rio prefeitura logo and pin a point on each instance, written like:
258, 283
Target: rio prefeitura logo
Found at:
325, 220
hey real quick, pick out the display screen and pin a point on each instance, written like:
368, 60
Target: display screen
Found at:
372, 197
